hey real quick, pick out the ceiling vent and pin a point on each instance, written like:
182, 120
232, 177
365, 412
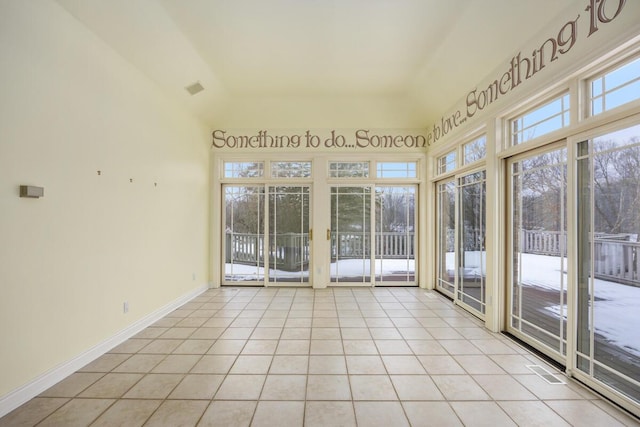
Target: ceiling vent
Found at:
194, 88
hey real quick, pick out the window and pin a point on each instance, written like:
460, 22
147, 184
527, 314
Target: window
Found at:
447, 162
615, 88
349, 169
290, 169
547, 118
474, 150
397, 170
243, 169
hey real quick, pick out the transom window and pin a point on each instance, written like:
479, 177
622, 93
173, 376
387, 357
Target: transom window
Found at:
396, 170
447, 162
474, 150
615, 88
540, 121
290, 169
349, 169
243, 169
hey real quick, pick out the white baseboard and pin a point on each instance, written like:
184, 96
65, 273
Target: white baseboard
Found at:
23, 394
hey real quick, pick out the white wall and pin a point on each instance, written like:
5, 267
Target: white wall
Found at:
70, 106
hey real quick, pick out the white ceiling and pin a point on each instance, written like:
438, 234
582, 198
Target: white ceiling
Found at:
423, 54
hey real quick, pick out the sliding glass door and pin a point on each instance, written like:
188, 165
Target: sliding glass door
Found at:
538, 255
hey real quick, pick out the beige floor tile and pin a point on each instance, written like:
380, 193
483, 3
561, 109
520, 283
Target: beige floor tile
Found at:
355, 333
325, 334
363, 365
299, 322
194, 346
329, 414
260, 347
77, 412
272, 322
327, 365
284, 387
428, 414
150, 332
293, 347
440, 365
418, 333
201, 386
532, 414
289, 364
105, 363
245, 322
214, 364
296, 333
426, 347
154, 386
236, 334
32, 412
207, 333
416, 387
512, 363
380, 414
503, 387
359, 347
241, 387
131, 346
266, 333
403, 365
227, 347
175, 333
218, 322
459, 387
403, 323
326, 347
391, 347
377, 321
325, 322
178, 413
140, 363
460, 347
353, 321
160, 346
112, 385
476, 333
481, 414
583, 413
543, 390
385, 334
127, 412
250, 364
328, 387
478, 364
372, 387
277, 414
73, 385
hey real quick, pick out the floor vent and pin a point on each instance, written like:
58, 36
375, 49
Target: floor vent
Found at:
545, 375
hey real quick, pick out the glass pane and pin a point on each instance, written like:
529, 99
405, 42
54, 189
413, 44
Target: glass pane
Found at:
396, 170
616, 87
350, 234
538, 297
349, 169
244, 233
290, 169
446, 237
447, 162
395, 234
472, 253
609, 293
243, 169
547, 118
289, 234
475, 150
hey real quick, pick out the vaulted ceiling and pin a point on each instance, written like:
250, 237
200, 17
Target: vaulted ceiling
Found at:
418, 56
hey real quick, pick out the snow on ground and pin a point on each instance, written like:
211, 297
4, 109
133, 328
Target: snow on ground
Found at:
616, 307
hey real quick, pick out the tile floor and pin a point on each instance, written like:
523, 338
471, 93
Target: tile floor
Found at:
334, 357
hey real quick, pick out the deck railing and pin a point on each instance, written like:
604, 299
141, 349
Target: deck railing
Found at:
616, 258
290, 251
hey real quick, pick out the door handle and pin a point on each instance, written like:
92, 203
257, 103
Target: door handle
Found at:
311, 234
328, 234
